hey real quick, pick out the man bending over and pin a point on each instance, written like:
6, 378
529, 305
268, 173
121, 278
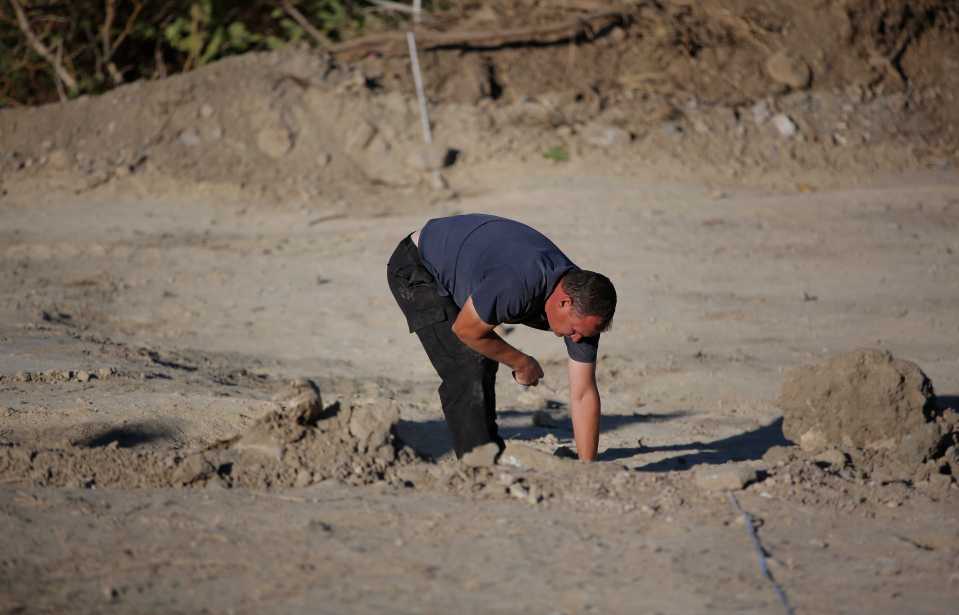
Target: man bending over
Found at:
459, 277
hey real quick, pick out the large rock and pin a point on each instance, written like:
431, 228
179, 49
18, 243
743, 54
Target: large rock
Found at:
862, 400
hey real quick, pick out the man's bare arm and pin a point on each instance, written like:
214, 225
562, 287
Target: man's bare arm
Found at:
585, 407
479, 336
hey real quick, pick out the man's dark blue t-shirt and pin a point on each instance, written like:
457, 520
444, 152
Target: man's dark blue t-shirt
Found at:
507, 267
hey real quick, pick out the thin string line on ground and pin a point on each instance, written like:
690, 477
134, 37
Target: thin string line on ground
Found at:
761, 555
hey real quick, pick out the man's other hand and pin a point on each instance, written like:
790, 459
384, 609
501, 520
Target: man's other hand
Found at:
528, 371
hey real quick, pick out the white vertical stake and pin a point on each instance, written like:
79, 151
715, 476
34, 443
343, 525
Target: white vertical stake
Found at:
418, 82
417, 9
421, 98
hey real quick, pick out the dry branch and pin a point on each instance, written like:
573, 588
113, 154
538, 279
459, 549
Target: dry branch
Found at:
63, 75
393, 43
110, 46
304, 23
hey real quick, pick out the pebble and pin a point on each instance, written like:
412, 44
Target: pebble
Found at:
603, 135
760, 112
303, 478
83, 376
189, 137
726, 477
518, 491
785, 125
58, 159
788, 69
274, 142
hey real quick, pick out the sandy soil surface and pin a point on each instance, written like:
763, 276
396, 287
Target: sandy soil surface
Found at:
767, 188
183, 319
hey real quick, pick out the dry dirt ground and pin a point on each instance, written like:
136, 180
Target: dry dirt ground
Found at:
186, 315
173, 254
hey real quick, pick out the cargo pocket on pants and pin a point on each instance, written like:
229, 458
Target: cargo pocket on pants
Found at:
425, 306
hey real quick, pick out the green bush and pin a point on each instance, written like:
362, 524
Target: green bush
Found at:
102, 43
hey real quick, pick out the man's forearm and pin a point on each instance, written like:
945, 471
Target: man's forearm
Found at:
492, 346
585, 412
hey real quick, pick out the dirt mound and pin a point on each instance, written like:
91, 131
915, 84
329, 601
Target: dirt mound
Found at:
728, 92
874, 407
298, 444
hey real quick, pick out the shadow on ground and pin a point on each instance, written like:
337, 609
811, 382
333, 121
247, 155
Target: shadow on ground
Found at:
127, 436
948, 401
432, 437
746, 446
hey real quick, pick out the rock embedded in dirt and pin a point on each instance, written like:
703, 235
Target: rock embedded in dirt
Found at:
726, 477
866, 400
760, 112
189, 137
788, 69
604, 135
58, 160
274, 142
784, 124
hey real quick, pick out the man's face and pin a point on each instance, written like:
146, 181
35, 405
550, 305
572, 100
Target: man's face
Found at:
566, 321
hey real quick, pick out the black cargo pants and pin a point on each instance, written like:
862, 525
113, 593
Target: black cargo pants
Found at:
467, 392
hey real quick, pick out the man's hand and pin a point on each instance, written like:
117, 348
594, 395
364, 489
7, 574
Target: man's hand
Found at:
528, 372
479, 335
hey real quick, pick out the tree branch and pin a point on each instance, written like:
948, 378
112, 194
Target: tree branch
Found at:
304, 23
63, 75
393, 43
128, 28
